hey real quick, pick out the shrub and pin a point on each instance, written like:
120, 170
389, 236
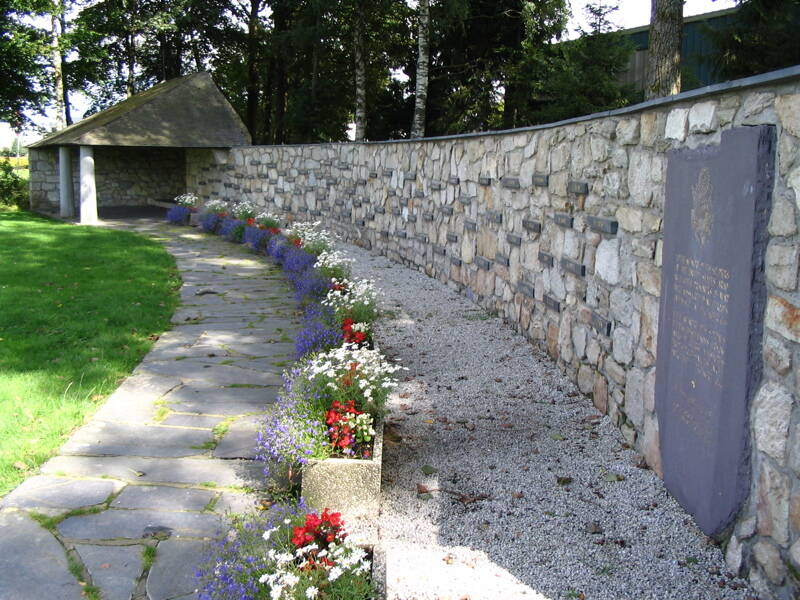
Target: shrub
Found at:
13, 190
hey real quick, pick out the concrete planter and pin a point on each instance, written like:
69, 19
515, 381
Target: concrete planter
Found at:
346, 485
194, 219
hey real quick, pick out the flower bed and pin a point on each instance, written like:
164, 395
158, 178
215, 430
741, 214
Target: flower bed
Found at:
286, 554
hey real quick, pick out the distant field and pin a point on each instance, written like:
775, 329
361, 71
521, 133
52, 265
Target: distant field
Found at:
17, 163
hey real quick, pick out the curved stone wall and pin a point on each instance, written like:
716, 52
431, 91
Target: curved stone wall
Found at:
559, 229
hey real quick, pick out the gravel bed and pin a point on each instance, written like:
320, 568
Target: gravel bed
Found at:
502, 481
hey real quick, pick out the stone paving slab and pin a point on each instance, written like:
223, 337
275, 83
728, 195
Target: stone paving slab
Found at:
161, 497
266, 348
221, 400
172, 575
99, 438
235, 502
198, 421
114, 569
33, 565
114, 524
240, 440
219, 374
57, 492
187, 471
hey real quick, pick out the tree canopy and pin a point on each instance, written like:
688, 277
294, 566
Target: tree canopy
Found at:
304, 70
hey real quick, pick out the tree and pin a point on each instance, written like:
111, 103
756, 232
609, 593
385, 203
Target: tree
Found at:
761, 37
22, 52
423, 59
664, 52
579, 77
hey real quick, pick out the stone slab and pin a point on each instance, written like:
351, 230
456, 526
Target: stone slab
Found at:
239, 441
32, 562
57, 492
160, 497
172, 575
219, 374
189, 471
101, 438
713, 295
114, 524
114, 569
233, 502
192, 420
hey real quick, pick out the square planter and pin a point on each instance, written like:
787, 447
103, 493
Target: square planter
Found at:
194, 219
347, 485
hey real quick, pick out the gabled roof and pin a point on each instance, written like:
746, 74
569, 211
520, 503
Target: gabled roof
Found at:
186, 112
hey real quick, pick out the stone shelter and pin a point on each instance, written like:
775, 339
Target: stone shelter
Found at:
136, 152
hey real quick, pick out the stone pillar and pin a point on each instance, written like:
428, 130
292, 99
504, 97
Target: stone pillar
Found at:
88, 187
65, 195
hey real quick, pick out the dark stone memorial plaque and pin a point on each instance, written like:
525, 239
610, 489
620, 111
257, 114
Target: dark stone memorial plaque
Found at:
602, 225
546, 259
427, 216
514, 239
465, 200
541, 180
563, 220
485, 180
483, 263
501, 259
552, 303
436, 185
446, 210
412, 218
439, 250
452, 238
511, 183
470, 226
531, 225
525, 288
711, 319
600, 324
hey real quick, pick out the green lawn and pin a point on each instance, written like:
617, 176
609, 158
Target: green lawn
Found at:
79, 307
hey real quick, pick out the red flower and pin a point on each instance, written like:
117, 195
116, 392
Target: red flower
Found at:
251, 221
297, 242
274, 230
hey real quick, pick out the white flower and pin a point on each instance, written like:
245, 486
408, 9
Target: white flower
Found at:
264, 578
334, 574
269, 532
311, 592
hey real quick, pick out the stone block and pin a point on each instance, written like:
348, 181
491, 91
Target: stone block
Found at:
703, 117
607, 264
772, 503
783, 317
769, 559
782, 265
783, 220
677, 120
773, 410
600, 393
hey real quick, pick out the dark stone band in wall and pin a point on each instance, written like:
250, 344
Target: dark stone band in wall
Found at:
552, 303
483, 263
571, 266
563, 220
526, 289
531, 225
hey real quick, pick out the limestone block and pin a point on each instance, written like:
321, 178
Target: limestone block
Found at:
606, 264
754, 104
579, 334
772, 503
622, 345
650, 444
675, 128
600, 393
640, 177
773, 409
733, 556
787, 153
585, 379
777, 355
634, 404
703, 117
648, 277
783, 220
782, 265
783, 317
628, 131
768, 557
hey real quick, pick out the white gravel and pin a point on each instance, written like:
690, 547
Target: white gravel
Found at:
535, 494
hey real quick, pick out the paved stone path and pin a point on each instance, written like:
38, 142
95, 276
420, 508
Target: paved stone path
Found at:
170, 451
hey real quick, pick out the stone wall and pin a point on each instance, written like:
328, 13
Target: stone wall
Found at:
124, 176
559, 230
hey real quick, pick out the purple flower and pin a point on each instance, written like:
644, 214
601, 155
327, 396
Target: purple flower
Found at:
231, 229
178, 215
255, 238
209, 222
316, 336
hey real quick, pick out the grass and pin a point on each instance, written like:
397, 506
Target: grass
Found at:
148, 557
80, 307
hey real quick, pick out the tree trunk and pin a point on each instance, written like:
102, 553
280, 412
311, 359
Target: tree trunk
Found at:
58, 71
252, 68
62, 17
281, 17
361, 75
423, 58
130, 84
312, 128
664, 53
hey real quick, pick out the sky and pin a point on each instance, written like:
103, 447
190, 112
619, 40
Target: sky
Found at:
631, 13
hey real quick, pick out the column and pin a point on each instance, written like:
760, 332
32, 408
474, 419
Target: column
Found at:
88, 187
65, 195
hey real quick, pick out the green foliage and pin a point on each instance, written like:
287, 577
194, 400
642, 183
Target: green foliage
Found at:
80, 308
21, 60
13, 189
761, 38
581, 76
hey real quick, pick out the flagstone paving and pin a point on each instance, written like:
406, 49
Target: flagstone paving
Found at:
170, 451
